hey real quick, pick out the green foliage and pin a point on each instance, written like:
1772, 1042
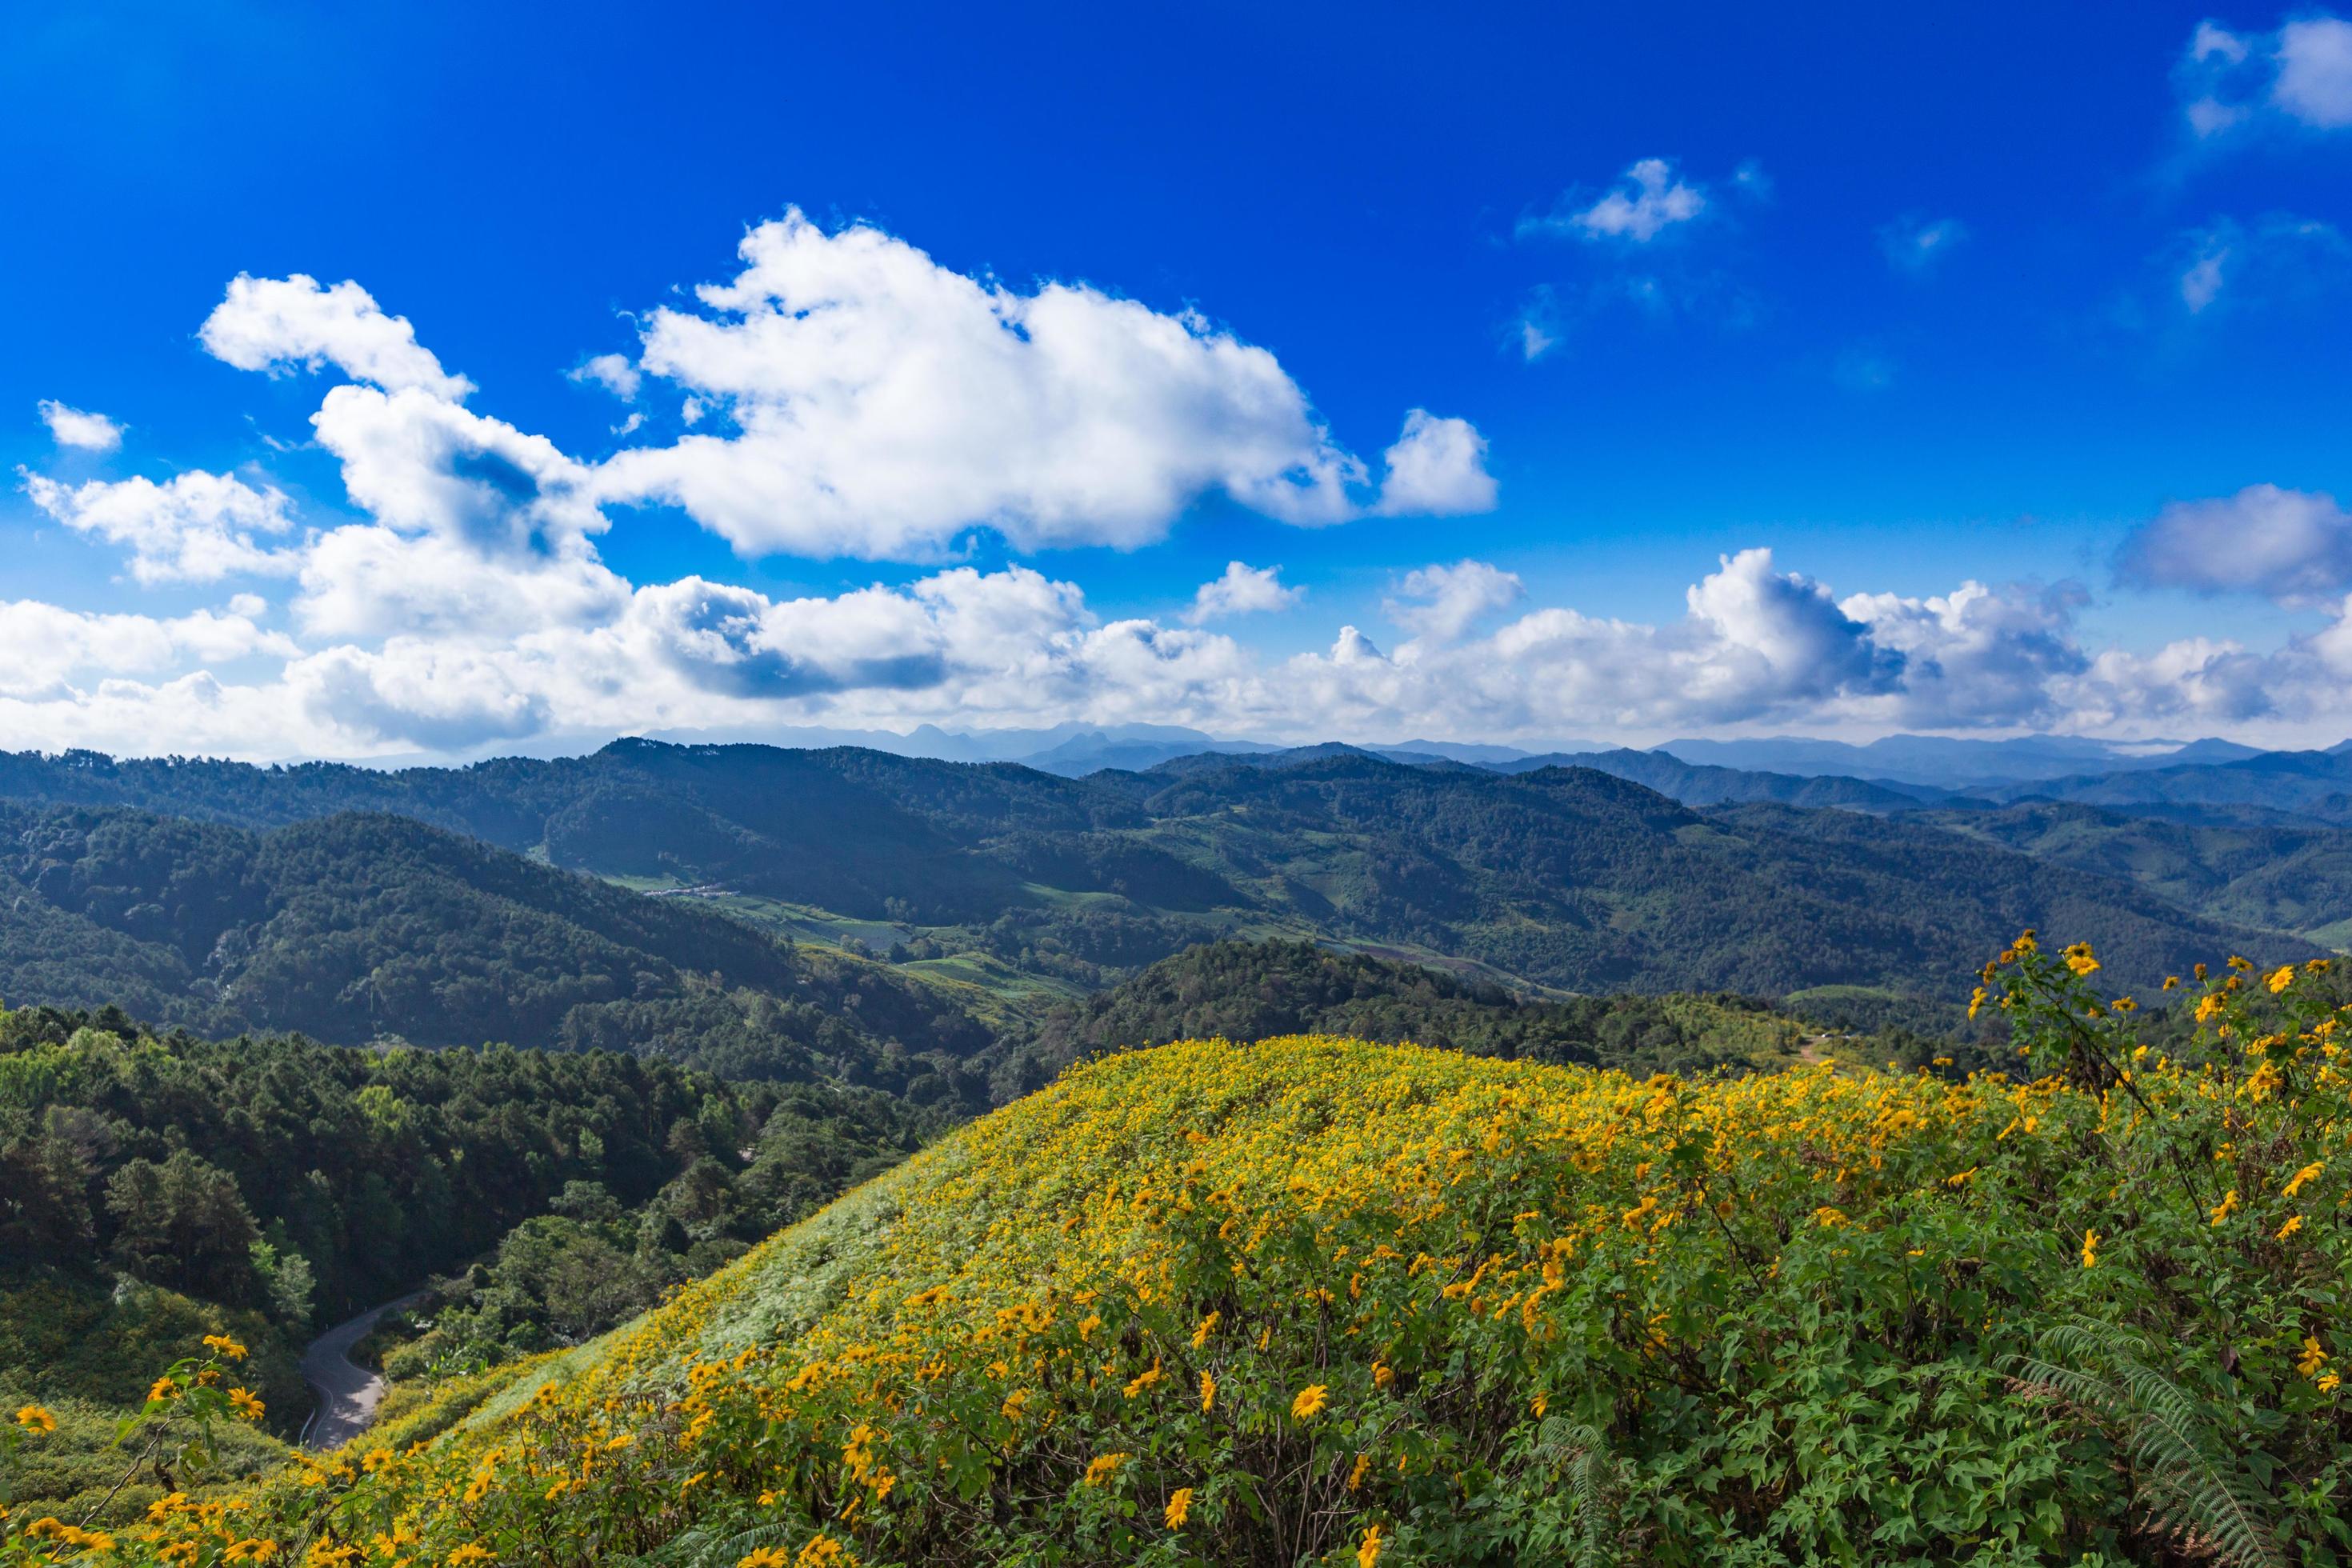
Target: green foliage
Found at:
1254, 990
376, 1167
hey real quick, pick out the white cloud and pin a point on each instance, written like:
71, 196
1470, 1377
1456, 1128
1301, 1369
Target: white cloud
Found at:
882, 404
1243, 590
1975, 658
286, 323
895, 403
1915, 244
2291, 545
1650, 200
1439, 603
2314, 72
613, 373
42, 644
196, 527
2228, 266
2299, 76
2200, 281
77, 428
421, 464
1437, 468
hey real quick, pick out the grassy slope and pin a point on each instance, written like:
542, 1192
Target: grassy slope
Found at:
1765, 1316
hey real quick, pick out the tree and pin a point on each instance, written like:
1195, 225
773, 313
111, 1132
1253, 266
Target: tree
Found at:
182, 1224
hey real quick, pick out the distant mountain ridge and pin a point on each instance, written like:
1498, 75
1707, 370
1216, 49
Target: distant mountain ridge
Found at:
1568, 877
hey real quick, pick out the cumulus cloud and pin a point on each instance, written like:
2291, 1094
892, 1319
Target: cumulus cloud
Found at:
2294, 546
1438, 603
282, 324
859, 399
1650, 200
1437, 468
78, 427
613, 373
1243, 590
196, 527
420, 463
882, 403
2299, 76
42, 644
1915, 244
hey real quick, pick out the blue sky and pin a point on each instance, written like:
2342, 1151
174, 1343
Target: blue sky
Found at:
2050, 300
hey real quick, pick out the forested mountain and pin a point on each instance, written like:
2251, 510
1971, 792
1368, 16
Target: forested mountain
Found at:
2261, 868
2318, 785
1565, 878
1700, 785
354, 927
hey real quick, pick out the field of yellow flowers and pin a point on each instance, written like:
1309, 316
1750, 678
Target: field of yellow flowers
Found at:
1313, 1301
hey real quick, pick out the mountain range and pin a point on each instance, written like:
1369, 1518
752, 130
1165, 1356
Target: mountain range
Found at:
505, 900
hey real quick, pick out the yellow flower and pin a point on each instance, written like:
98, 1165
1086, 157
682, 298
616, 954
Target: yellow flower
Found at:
33, 1418
322, 1555
1103, 1468
2209, 1008
2226, 1207
2079, 959
765, 1557
1208, 1391
1310, 1402
2330, 1382
1180, 1506
1362, 1468
2170, 980
243, 1402
1383, 1374
1208, 1326
221, 1344
1143, 1380
162, 1388
2090, 1249
2308, 1174
1369, 1551
2293, 1224
253, 1550
2312, 1359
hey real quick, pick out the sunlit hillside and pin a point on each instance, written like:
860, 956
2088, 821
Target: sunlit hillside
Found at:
1318, 1300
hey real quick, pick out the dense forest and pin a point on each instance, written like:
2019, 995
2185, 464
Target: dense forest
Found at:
292, 1183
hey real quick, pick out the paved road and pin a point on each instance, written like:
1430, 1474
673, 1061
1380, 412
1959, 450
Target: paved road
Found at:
347, 1394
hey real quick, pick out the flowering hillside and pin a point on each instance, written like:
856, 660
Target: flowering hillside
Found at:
1315, 1300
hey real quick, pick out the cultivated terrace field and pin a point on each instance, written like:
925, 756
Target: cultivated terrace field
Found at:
1314, 1301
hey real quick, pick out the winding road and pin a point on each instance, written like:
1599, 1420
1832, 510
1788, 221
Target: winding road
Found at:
347, 1393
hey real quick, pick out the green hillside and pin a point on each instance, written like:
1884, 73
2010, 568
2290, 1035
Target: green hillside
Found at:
1319, 1300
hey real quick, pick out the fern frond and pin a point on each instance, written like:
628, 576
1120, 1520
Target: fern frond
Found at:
2192, 1484
1579, 1451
